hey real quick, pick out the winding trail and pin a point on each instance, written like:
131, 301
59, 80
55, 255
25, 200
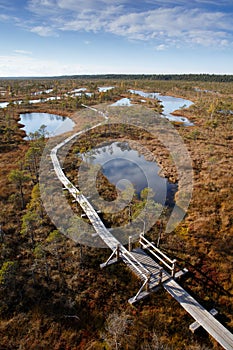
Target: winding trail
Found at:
139, 261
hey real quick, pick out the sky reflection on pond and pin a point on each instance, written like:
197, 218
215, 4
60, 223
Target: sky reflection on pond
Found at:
169, 103
118, 161
55, 124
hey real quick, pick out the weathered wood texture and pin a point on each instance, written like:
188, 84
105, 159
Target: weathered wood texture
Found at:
150, 266
195, 325
200, 314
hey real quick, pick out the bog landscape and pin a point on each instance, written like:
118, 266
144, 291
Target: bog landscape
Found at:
106, 166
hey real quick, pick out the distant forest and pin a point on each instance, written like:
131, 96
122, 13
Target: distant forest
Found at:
167, 77
184, 77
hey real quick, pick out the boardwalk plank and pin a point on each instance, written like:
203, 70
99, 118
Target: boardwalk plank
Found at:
201, 315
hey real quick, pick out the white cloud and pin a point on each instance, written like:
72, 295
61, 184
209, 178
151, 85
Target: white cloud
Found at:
9, 18
23, 52
4, 17
208, 39
42, 7
175, 22
17, 65
191, 3
44, 31
161, 47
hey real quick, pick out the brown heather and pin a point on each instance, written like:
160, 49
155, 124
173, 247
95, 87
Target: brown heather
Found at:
53, 294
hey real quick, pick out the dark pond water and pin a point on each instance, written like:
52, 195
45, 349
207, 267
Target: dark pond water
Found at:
119, 162
55, 124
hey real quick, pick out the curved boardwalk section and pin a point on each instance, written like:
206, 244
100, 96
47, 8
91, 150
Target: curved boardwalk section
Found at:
152, 271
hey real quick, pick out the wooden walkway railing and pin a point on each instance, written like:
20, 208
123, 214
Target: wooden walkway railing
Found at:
160, 256
147, 269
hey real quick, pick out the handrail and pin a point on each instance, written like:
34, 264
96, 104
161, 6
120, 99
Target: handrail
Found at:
150, 244
155, 248
148, 280
144, 284
126, 252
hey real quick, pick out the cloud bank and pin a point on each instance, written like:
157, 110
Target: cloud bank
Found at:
164, 23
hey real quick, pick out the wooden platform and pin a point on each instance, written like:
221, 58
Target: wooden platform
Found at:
157, 278
150, 266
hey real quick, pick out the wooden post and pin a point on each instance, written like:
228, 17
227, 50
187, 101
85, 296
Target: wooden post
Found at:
130, 244
140, 239
160, 233
148, 282
173, 267
144, 228
118, 252
160, 275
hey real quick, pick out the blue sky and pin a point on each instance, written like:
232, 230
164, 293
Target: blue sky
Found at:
59, 37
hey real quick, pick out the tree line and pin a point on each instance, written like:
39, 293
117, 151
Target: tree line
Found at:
167, 77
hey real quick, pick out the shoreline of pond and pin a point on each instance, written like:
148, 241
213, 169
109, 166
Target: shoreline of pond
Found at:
47, 110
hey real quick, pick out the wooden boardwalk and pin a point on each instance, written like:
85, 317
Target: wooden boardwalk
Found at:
157, 273
223, 336
153, 272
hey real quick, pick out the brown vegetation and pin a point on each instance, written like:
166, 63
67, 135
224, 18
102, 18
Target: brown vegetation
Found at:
53, 294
